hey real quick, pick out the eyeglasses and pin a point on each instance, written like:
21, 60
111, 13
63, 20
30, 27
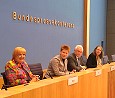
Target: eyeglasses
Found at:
79, 51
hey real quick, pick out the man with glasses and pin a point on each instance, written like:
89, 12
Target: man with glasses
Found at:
76, 61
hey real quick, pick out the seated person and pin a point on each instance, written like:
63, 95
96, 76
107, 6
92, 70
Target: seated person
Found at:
58, 64
76, 60
17, 70
95, 58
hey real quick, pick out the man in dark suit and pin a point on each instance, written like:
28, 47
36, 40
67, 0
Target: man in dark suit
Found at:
76, 60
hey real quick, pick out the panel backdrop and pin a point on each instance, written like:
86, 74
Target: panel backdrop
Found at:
42, 41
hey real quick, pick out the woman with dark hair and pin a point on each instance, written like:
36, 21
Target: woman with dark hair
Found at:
95, 58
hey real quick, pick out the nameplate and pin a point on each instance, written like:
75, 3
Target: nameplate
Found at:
112, 68
72, 80
98, 72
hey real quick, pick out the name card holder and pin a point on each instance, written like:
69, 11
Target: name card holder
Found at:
112, 67
98, 72
72, 80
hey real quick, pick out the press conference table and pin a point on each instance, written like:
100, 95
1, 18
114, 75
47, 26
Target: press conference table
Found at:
92, 83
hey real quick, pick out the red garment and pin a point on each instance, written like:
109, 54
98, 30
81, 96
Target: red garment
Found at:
15, 74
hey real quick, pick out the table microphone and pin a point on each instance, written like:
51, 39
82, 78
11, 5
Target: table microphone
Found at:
50, 75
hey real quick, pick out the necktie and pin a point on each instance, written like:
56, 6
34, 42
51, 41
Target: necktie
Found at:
78, 61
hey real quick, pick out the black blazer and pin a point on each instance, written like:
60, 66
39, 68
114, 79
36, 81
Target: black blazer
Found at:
91, 61
72, 62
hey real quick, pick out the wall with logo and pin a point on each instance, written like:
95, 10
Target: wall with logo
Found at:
41, 26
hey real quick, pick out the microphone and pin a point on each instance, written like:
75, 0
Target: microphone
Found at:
26, 84
109, 61
5, 87
50, 75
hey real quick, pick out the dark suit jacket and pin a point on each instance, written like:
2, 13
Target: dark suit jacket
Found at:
91, 61
72, 62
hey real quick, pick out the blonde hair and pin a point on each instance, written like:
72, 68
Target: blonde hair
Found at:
17, 51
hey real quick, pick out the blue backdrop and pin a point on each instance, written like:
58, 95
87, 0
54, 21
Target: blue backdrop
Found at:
98, 24
42, 41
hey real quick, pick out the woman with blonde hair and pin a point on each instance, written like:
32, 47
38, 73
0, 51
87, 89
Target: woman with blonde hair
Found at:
17, 70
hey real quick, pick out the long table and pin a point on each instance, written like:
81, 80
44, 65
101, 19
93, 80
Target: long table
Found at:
91, 83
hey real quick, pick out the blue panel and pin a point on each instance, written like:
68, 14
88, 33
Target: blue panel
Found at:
42, 41
98, 23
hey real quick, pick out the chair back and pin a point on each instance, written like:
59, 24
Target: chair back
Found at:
84, 59
36, 69
105, 59
6, 82
113, 57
